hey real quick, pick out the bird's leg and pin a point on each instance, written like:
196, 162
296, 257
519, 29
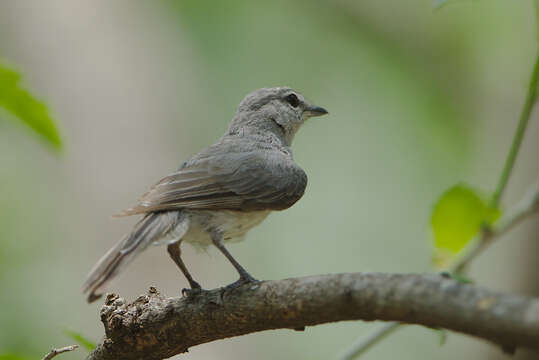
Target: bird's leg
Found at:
245, 277
175, 252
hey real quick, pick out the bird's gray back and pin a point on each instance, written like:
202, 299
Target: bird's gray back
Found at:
242, 172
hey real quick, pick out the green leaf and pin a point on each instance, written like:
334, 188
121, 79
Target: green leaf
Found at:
26, 108
88, 344
457, 217
12, 357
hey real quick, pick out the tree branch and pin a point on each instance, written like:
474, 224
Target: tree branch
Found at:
155, 327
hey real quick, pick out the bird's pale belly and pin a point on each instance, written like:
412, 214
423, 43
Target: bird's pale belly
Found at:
232, 224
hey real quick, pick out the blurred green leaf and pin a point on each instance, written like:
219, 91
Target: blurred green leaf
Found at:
26, 108
12, 357
457, 217
437, 4
88, 344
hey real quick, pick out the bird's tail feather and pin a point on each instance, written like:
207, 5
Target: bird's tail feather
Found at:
149, 229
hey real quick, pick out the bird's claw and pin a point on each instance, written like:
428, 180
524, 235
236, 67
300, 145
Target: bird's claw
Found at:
191, 292
242, 281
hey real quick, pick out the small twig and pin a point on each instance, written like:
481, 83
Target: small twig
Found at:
522, 122
55, 352
526, 207
364, 343
519, 135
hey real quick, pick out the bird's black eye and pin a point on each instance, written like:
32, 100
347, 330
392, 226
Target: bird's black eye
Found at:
292, 99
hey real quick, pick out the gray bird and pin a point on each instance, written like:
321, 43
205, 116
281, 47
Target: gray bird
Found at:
221, 192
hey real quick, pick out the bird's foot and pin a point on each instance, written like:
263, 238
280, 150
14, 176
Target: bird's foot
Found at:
195, 289
191, 292
246, 279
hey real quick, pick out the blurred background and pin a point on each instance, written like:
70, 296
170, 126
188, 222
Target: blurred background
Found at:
419, 100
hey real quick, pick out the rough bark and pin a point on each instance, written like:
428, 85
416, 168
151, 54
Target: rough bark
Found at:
155, 327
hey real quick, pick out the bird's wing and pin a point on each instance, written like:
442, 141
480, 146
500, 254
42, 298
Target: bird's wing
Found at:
234, 180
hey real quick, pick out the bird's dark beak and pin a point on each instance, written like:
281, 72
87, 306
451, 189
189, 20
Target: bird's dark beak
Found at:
315, 111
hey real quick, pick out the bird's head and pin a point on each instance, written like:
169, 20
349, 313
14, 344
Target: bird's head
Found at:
280, 110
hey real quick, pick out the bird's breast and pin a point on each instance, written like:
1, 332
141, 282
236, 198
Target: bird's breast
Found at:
232, 224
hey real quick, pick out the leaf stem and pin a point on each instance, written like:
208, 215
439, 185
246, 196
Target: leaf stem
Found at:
536, 6
519, 134
526, 207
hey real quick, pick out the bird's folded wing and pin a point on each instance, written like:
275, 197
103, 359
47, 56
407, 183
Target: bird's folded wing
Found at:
235, 181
